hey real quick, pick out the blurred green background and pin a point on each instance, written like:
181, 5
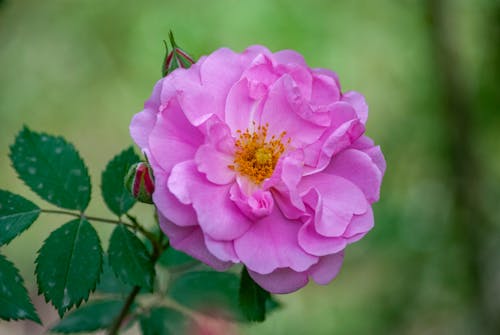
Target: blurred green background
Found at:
429, 71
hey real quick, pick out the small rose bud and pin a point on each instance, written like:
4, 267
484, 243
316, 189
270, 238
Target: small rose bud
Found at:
175, 58
140, 183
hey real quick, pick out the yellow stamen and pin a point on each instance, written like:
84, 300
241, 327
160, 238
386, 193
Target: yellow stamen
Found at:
255, 156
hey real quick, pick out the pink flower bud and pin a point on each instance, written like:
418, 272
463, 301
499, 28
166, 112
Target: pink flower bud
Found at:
177, 58
139, 181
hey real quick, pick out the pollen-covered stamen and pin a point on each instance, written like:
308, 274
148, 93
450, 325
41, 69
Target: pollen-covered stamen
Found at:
256, 155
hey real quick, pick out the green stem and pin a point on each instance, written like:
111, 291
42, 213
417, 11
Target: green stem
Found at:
91, 218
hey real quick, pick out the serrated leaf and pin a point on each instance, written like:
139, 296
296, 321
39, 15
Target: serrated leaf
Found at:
15, 303
16, 215
109, 282
129, 258
69, 264
209, 292
93, 316
115, 195
252, 298
162, 321
52, 168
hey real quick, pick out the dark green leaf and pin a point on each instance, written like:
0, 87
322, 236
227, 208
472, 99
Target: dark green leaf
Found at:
93, 316
173, 258
129, 258
16, 215
52, 168
109, 282
116, 197
209, 292
15, 303
252, 298
162, 321
69, 264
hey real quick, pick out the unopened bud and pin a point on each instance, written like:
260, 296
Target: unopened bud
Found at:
176, 58
139, 182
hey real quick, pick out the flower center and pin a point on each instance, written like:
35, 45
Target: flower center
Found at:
256, 156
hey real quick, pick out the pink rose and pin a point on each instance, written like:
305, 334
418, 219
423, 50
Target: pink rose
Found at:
259, 159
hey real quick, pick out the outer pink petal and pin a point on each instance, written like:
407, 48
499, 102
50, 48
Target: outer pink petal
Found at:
190, 240
280, 281
335, 200
330, 74
356, 166
173, 138
365, 144
327, 268
168, 205
271, 243
214, 164
289, 56
324, 90
223, 250
360, 224
142, 123
319, 245
358, 102
217, 215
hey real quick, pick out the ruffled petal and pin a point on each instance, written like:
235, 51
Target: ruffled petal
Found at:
169, 206
317, 244
223, 250
271, 243
215, 164
280, 281
360, 224
191, 241
335, 200
365, 144
217, 215
173, 138
327, 268
358, 102
357, 167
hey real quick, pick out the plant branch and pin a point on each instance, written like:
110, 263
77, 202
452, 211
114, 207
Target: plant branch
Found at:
88, 217
123, 313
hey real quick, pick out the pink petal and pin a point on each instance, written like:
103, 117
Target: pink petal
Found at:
324, 90
278, 113
217, 215
173, 138
214, 164
330, 74
289, 56
357, 167
327, 268
360, 224
241, 109
319, 245
190, 240
335, 200
141, 126
255, 206
358, 102
223, 250
280, 281
365, 144
168, 205
271, 243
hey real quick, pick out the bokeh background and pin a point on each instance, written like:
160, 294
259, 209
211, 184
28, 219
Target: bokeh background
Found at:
430, 73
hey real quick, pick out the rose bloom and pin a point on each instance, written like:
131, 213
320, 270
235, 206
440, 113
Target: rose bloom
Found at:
260, 160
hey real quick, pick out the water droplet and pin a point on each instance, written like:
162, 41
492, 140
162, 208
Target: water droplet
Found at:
39, 186
31, 170
43, 138
66, 299
21, 314
76, 172
58, 150
52, 284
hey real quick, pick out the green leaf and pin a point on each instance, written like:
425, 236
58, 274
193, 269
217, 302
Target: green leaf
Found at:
115, 195
252, 298
15, 303
173, 258
16, 215
129, 258
162, 321
93, 316
69, 264
52, 168
109, 282
209, 292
